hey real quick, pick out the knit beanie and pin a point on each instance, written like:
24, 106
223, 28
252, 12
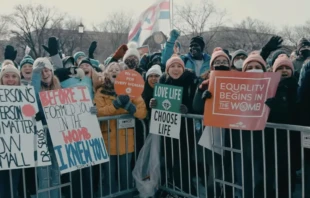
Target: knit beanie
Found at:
217, 52
282, 60
77, 55
155, 69
94, 63
254, 56
275, 55
7, 62
132, 51
174, 59
238, 53
26, 60
85, 60
9, 68
302, 43
199, 41
45, 61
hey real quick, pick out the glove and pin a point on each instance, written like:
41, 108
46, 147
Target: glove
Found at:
53, 47
120, 52
92, 49
121, 101
174, 35
204, 85
39, 67
273, 44
38, 116
206, 95
10, 53
271, 102
131, 108
183, 109
153, 103
93, 110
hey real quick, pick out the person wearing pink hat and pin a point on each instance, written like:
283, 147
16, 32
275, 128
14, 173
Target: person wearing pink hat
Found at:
254, 63
284, 65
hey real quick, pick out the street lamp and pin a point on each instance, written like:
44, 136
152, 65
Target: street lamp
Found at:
81, 28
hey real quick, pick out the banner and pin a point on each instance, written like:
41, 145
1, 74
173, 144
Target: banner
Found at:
238, 99
129, 82
74, 131
166, 117
18, 107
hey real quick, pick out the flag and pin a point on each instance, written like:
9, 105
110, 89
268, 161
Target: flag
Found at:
155, 18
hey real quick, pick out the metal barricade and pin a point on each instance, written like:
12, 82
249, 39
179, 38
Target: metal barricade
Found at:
87, 182
238, 164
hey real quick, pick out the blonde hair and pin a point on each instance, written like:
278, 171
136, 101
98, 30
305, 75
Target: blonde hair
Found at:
54, 85
105, 74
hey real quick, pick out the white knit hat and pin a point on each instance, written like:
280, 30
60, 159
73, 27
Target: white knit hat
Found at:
132, 51
9, 68
44, 61
155, 69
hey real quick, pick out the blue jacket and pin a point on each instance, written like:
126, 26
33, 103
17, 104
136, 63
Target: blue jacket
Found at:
303, 71
187, 59
74, 82
36, 83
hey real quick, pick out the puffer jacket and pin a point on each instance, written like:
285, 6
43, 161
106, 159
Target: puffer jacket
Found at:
106, 108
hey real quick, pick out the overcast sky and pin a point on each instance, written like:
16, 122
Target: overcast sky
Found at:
275, 12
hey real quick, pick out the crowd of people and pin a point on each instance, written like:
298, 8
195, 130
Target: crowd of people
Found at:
191, 72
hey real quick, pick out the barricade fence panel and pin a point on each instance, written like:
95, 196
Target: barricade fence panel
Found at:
274, 162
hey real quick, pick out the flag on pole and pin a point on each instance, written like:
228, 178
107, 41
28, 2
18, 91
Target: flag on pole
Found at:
155, 18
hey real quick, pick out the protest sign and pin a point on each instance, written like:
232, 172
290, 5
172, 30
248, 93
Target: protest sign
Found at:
166, 117
238, 99
42, 153
129, 82
143, 50
74, 131
18, 107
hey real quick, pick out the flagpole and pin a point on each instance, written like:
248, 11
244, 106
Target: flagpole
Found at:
171, 14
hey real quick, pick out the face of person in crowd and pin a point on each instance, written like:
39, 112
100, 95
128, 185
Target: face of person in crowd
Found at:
113, 71
47, 76
132, 62
305, 51
87, 68
238, 61
195, 50
26, 71
79, 59
175, 71
221, 63
285, 71
10, 78
152, 79
254, 66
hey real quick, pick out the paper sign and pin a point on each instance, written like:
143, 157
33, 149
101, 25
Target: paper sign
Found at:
238, 99
306, 140
18, 107
43, 156
143, 50
126, 123
129, 82
166, 117
74, 131
212, 136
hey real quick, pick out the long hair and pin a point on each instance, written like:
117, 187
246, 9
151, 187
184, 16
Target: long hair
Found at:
53, 86
108, 86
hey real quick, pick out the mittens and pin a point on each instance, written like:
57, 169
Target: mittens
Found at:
93, 110
174, 35
131, 108
10, 53
121, 101
53, 47
120, 52
92, 49
206, 95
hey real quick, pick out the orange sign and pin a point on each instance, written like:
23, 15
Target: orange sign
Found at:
238, 99
129, 82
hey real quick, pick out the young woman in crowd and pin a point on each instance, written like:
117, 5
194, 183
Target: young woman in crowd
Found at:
9, 76
26, 69
119, 143
177, 75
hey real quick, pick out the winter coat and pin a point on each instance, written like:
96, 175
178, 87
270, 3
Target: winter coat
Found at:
188, 60
303, 100
298, 62
106, 108
304, 69
147, 95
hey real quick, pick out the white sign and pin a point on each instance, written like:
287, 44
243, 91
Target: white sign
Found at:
210, 133
74, 131
43, 156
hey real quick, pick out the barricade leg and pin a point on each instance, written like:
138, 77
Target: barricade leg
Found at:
109, 176
125, 174
5, 182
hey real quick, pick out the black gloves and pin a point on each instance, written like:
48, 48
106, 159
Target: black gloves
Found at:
10, 53
206, 95
53, 46
92, 49
121, 101
273, 44
38, 116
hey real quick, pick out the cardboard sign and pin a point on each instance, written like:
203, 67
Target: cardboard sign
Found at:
166, 117
238, 99
41, 149
144, 50
74, 131
129, 82
18, 107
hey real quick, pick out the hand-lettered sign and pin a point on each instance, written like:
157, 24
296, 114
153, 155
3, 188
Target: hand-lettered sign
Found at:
74, 131
129, 82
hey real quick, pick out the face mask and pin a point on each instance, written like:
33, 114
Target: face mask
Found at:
239, 63
255, 71
131, 64
305, 53
221, 68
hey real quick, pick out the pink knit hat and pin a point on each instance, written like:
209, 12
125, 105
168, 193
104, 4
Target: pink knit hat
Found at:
282, 60
254, 56
174, 59
217, 52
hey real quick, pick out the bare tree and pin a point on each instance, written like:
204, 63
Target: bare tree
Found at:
32, 25
3, 27
292, 34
